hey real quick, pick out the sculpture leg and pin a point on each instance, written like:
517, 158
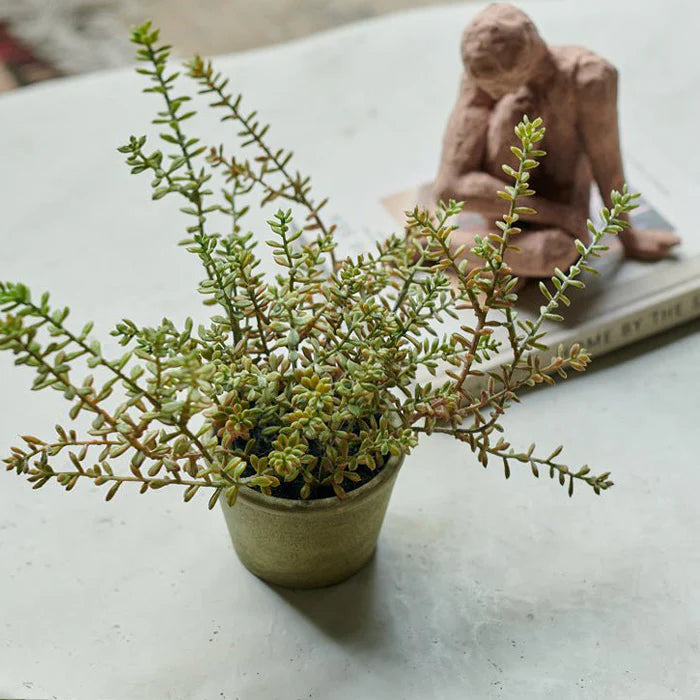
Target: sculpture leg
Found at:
541, 251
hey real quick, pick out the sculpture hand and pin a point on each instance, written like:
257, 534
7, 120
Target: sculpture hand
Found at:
651, 244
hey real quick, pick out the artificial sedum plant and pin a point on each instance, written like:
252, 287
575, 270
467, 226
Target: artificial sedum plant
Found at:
302, 383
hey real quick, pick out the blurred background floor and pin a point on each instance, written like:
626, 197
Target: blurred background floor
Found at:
40, 39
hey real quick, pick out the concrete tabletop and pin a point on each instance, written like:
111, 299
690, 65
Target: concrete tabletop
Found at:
481, 588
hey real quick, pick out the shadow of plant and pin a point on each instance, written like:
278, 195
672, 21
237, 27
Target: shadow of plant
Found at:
354, 612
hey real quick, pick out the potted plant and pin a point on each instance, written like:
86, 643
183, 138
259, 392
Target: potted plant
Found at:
296, 403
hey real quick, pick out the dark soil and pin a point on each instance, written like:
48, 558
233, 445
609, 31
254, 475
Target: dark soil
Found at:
292, 489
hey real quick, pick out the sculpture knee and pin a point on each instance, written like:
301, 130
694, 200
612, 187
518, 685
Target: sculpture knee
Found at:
444, 188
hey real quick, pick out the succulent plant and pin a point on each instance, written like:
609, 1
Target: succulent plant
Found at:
302, 383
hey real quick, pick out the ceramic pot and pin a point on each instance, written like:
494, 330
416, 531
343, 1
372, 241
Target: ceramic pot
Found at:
310, 544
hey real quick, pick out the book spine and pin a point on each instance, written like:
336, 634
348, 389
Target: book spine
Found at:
614, 331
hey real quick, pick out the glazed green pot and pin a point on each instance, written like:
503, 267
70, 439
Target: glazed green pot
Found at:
309, 544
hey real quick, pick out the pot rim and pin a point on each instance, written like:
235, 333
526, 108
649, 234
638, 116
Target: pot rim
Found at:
275, 503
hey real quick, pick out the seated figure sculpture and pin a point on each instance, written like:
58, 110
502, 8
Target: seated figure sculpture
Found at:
510, 71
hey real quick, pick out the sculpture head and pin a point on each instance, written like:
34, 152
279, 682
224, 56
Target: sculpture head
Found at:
502, 49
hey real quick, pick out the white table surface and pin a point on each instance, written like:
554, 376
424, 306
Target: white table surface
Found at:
481, 588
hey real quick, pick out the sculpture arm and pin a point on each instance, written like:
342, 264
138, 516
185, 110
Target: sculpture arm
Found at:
461, 175
596, 88
596, 93
464, 143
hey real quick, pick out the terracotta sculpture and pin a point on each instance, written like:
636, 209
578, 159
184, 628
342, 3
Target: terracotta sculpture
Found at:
510, 71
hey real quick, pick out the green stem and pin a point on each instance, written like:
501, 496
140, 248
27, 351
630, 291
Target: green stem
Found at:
272, 156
